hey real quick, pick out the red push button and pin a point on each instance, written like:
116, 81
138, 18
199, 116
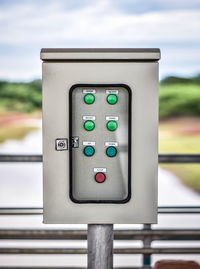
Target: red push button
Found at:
100, 177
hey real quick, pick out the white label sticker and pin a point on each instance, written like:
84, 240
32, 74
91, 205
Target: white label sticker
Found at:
87, 143
89, 91
89, 117
115, 144
96, 170
112, 91
112, 118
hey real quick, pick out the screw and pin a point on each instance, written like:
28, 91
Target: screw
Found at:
61, 144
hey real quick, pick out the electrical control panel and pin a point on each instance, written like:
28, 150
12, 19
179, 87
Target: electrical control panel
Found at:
100, 135
100, 170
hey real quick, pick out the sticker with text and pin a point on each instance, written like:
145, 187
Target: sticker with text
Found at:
112, 118
114, 144
88, 143
112, 91
89, 117
98, 170
89, 91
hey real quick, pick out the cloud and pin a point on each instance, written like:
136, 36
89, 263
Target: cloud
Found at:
26, 26
142, 6
33, 24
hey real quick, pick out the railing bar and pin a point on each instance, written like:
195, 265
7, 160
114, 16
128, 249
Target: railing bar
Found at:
158, 251
21, 211
48, 267
117, 231
179, 210
39, 210
20, 158
84, 251
30, 234
163, 158
71, 267
179, 158
44, 267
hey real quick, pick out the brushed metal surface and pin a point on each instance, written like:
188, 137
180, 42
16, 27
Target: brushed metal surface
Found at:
142, 78
100, 246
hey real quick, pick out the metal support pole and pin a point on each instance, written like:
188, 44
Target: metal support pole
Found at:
147, 244
100, 246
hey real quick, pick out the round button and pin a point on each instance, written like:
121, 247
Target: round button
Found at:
89, 151
111, 151
100, 177
89, 98
89, 125
112, 99
112, 125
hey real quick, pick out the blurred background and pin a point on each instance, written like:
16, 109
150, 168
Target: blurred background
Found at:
27, 26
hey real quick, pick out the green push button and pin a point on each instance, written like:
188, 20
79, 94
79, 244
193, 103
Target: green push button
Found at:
89, 98
89, 151
112, 125
111, 151
89, 125
112, 99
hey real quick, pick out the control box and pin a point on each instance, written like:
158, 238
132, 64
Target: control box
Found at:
100, 124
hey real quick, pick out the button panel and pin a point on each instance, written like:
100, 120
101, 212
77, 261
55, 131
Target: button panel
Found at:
100, 114
89, 98
112, 99
111, 151
112, 125
89, 125
100, 177
89, 151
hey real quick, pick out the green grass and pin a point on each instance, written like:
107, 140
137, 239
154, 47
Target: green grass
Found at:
177, 96
21, 97
181, 80
171, 140
15, 132
179, 100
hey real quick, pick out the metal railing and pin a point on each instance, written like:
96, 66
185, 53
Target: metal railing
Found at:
147, 235
163, 158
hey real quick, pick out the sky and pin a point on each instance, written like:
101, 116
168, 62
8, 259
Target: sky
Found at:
26, 26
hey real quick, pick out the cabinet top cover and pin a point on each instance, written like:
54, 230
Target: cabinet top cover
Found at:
99, 54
